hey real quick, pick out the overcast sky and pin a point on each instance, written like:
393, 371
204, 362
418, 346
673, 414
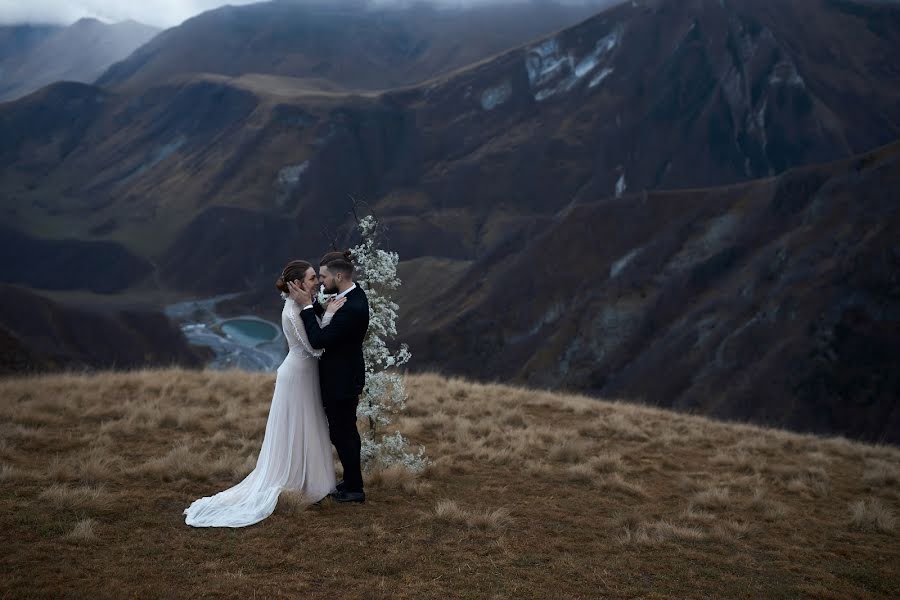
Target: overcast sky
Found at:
162, 13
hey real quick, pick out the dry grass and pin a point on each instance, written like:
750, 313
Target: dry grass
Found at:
812, 480
659, 532
293, 502
8, 473
83, 531
580, 474
77, 498
871, 515
880, 473
771, 510
712, 499
616, 483
530, 494
448, 511
606, 462
397, 478
663, 531
568, 451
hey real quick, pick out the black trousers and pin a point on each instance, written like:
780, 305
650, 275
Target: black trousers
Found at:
341, 414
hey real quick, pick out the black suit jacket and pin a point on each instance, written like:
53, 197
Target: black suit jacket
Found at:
342, 369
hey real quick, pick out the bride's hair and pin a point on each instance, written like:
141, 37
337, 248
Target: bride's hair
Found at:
341, 261
296, 269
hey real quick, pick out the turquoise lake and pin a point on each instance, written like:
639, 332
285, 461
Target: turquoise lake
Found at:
249, 331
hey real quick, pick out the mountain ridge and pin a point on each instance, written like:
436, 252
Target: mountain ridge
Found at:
395, 45
78, 52
438, 148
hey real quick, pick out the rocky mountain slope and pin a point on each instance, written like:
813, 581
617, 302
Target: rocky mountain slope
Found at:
32, 56
653, 95
623, 143
776, 301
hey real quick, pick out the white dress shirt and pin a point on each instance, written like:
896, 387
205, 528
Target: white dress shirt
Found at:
338, 297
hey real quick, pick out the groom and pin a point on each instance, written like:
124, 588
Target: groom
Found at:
342, 370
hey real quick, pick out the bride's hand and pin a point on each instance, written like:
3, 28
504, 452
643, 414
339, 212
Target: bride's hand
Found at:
299, 293
334, 305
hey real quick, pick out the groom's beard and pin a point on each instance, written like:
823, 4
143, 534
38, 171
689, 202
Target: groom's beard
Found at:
330, 290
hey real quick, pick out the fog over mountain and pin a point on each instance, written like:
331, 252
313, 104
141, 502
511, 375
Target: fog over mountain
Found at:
162, 13
32, 56
168, 13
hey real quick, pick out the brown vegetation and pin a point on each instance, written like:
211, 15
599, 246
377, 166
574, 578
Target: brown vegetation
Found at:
529, 493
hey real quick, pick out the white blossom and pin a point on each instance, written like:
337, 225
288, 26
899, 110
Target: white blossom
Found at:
384, 394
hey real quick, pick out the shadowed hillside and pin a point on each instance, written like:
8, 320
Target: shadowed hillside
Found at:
69, 264
530, 494
775, 301
40, 334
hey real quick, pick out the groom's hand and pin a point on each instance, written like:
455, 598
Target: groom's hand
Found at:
299, 295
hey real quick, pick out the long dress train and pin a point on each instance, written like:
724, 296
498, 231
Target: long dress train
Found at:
296, 449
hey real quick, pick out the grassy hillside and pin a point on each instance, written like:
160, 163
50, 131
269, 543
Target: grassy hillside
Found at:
530, 494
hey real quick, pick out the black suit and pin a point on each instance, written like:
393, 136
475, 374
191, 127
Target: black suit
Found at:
342, 375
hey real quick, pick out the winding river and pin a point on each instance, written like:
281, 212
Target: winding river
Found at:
245, 342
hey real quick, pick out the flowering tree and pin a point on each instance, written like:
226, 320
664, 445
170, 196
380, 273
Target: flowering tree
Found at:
384, 395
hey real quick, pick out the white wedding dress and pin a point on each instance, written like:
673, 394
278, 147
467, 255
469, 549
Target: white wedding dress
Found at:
296, 449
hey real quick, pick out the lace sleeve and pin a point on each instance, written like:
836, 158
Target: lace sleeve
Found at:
325, 320
292, 317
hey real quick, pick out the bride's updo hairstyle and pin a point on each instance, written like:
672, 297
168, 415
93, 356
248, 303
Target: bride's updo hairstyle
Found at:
340, 262
296, 269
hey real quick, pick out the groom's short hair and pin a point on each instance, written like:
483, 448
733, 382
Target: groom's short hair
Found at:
339, 262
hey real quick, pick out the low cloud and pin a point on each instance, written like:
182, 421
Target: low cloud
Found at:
168, 13
161, 13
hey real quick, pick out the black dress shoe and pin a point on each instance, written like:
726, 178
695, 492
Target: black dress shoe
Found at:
344, 496
338, 489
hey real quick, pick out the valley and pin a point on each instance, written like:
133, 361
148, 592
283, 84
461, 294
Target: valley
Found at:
247, 342
688, 204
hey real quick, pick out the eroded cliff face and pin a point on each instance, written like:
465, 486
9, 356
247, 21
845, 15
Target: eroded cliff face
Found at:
776, 301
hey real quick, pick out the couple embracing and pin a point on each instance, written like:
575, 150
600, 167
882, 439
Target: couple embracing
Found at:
317, 390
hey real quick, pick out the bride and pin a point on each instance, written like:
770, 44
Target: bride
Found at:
296, 450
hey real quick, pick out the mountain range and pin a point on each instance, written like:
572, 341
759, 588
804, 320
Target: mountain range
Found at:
690, 203
342, 44
32, 56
